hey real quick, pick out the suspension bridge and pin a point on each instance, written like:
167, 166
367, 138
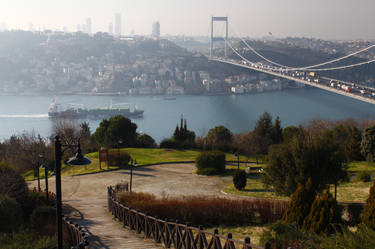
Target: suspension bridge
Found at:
307, 75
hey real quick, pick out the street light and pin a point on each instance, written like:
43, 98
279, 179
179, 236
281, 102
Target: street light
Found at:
118, 152
43, 166
133, 163
78, 160
237, 154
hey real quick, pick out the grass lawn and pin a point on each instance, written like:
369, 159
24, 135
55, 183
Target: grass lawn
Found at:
355, 167
353, 191
143, 156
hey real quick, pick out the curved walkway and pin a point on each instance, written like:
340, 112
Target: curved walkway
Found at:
87, 197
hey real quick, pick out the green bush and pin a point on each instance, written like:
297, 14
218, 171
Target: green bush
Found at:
121, 159
145, 141
12, 184
239, 179
212, 160
368, 215
27, 239
32, 201
288, 235
324, 214
10, 214
364, 176
43, 219
169, 143
300, 204
363, 237
207, 171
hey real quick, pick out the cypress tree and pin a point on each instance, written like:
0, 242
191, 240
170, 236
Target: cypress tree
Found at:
323, 215
368, 215
300, 204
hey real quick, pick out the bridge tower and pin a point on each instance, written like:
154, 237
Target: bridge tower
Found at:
213, 39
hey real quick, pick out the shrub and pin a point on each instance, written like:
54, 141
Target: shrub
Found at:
146, 141
324, 214
368, 215
12, 184
27, 239
121, 159
32, 201
43, 219
211, 159
207, 211
288, 236
10, 214
169, 143
300, 204
364, 176
207, 172
363, 237
239, 179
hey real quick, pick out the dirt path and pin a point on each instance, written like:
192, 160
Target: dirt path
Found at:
88, 197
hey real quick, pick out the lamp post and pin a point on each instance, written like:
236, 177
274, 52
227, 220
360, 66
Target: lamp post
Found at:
78, 160
118, 152
43, 166
134, 163
236, 154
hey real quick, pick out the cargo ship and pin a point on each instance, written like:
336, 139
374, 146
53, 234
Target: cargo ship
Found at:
56, 110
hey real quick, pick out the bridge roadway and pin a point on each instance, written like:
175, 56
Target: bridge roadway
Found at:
318, 85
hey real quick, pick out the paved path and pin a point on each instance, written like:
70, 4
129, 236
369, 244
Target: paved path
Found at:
87, 196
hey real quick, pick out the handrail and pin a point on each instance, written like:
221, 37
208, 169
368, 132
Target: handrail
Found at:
173, 234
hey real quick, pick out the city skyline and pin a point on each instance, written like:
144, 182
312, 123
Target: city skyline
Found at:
335, 19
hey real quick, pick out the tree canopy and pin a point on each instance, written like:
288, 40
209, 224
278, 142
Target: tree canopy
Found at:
294, 162
115, 129
368, 144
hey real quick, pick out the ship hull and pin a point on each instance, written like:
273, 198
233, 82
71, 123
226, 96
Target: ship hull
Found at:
95, 114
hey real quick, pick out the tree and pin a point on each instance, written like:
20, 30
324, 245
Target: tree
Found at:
220, 137
324, 214
300, 204
114, 129
295, 162
183, 137
368, 214
276, 134
12, 184
263, 132
146, 141
289, 133
368, 144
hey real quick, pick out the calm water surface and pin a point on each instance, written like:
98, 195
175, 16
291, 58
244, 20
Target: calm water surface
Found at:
238, 113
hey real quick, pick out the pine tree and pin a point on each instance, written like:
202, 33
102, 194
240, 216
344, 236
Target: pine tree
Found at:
368, 215
300, 204
277, 131
323, 215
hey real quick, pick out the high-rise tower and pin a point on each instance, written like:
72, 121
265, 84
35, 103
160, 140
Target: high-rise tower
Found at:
88, 26
118, 27
156, 30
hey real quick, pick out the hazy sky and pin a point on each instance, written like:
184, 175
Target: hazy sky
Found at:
327, 19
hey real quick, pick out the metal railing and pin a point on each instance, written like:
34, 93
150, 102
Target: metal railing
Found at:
173, 234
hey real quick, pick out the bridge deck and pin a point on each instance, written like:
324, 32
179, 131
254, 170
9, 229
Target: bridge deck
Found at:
327, 88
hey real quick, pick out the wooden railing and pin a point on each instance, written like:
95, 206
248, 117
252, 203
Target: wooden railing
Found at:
74, 234
173, 234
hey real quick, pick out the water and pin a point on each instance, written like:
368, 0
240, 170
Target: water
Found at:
238, 113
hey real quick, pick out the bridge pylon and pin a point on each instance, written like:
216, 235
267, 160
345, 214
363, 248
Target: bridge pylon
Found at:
213, 38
